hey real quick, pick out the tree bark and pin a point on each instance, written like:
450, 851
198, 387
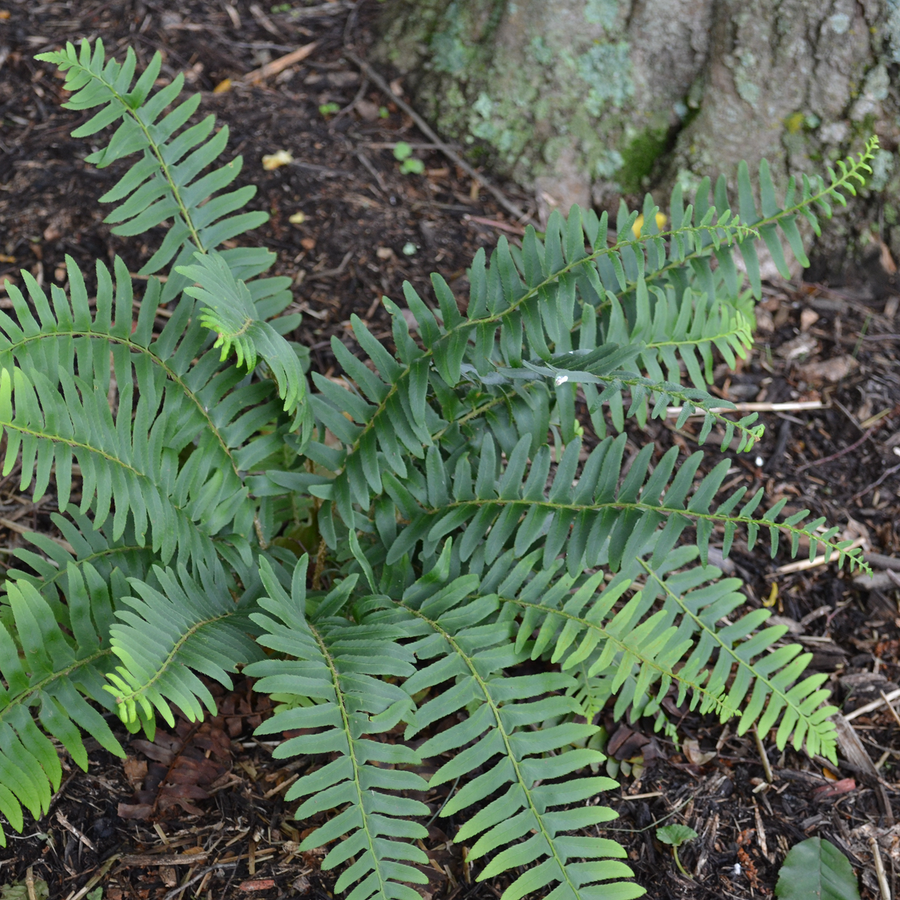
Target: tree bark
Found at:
590, 100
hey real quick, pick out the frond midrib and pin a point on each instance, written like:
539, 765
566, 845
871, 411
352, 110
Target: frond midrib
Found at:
510, 754
38, 687
638, 506
354, 762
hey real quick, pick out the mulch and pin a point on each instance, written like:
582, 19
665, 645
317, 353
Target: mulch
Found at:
200, 811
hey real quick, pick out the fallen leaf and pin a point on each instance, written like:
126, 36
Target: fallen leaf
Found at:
695, 756
802, 345
808, 318
135, 770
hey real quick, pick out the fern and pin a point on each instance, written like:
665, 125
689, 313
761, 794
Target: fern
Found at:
485, 562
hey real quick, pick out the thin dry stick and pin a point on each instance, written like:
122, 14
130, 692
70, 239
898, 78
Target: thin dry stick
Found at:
754, 407
893, 695
767, 769
879, 869
448, 151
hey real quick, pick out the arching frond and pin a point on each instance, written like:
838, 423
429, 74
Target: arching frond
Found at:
510, 746
167, 184
599, 518
164, 184
336, 664
48, 684
633, 640
191, 624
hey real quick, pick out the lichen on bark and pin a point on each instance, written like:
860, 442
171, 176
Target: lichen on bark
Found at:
587, 100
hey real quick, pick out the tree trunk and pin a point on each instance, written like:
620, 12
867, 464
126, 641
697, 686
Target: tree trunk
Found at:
589, 100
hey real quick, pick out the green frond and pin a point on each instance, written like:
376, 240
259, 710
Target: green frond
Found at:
746, 659
163, 636
231, 312
586, 509
511, 742
46, 675
335, 664
671, 331
122, 461
164, 185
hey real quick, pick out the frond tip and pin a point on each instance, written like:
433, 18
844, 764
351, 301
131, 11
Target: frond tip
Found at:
229, 310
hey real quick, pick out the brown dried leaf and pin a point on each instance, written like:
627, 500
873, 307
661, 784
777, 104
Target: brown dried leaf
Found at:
695, 756
135, 770
135, 810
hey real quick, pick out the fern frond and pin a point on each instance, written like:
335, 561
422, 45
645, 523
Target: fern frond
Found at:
688, 260
94, 550
381, 424
48, 429
665, 634
506, 740
190, 624
670, 331
814, 192
774, 675
334, 664
585, 510
230, 311
164, 184
575, 622
167, 185
50, 680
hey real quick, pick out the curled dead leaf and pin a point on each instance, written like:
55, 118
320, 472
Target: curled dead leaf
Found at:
694, 755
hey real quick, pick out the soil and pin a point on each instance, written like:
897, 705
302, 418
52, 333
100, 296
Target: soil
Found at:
348, 227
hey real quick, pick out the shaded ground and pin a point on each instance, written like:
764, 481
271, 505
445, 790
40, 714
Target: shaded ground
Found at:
200, 811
